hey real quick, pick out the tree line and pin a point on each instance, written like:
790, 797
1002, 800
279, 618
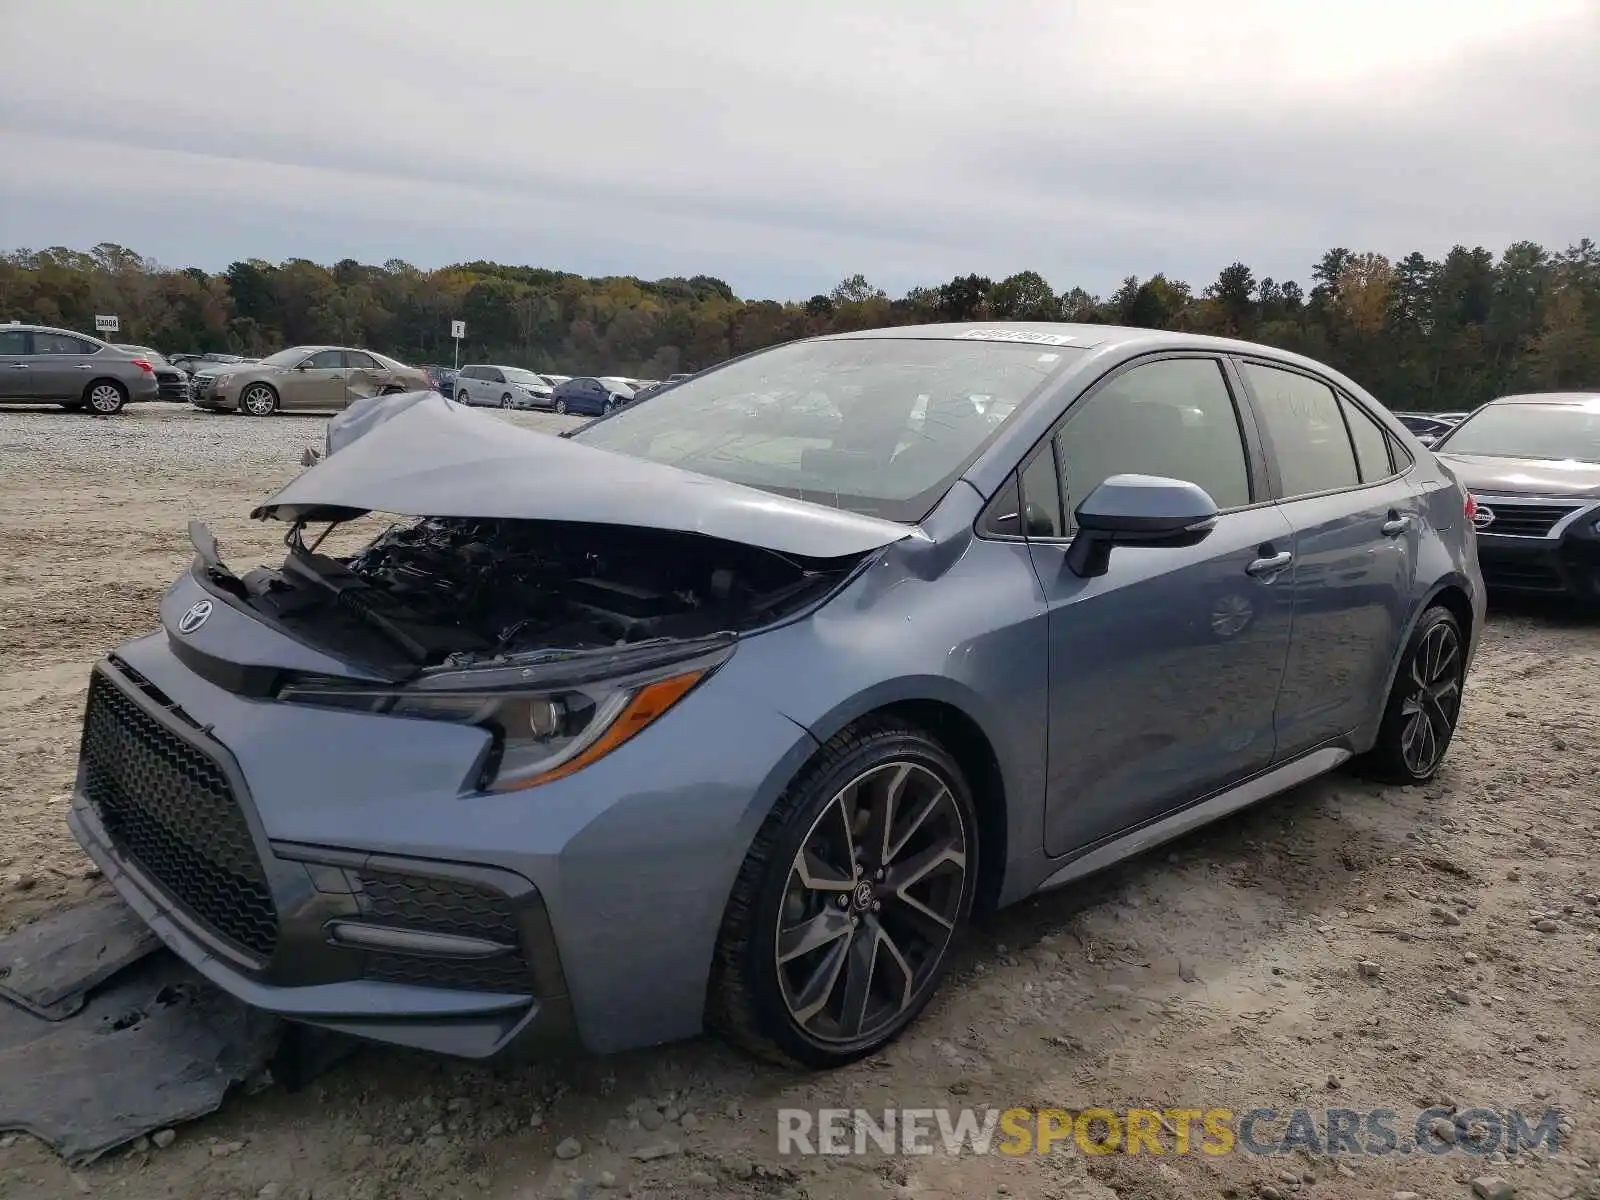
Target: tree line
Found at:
1420, 333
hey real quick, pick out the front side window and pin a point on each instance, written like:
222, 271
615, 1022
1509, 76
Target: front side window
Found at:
326, 360
1305, 430
1174, 418
13, 341
881, 426
60, 343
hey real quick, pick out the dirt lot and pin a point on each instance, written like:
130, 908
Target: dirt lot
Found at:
1222, 972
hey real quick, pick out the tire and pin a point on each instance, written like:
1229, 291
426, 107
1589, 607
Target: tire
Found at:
561, 407
610, 407
461, 397
1415, 734
105, 397
505, 401
769, 1006
258, 400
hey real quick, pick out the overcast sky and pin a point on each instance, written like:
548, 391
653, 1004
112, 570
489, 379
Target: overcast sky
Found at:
784, 146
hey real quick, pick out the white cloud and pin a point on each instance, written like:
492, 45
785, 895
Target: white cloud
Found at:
784, 147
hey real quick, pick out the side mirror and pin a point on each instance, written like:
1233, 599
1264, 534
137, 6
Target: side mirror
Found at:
1138, 510
304, 365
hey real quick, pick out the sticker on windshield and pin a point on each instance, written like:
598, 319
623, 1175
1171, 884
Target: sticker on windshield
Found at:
1019, 335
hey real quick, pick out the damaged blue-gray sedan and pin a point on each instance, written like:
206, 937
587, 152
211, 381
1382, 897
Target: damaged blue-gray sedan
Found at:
728, 710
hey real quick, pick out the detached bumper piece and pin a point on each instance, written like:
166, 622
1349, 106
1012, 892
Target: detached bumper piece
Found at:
442, 956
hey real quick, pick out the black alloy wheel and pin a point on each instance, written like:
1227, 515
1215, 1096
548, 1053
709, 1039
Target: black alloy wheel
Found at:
1424, 703
845, 911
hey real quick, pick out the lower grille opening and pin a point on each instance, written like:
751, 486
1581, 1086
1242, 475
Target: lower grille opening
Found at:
434, 905
1527, 576
168, 806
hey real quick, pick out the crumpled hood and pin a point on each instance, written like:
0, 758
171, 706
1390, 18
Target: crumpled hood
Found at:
423, 455
1525, 476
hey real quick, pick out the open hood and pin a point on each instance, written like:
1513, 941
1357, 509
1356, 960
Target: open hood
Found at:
434, 458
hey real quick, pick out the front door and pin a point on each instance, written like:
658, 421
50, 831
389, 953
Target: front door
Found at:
1164, 672
317, 383
1357, 524
16, 364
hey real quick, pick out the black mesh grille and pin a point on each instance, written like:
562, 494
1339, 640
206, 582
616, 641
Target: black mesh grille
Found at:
168, 806
450, 906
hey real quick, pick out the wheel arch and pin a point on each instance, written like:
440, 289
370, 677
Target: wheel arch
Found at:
277, 396
127, 393
947, 712
1452, 593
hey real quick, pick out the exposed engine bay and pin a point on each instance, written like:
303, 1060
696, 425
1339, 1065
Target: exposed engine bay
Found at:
456, 592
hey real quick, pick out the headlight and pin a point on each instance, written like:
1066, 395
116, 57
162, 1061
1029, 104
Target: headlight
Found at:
540, 733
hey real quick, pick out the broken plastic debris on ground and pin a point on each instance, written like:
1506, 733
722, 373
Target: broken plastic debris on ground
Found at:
105, 1035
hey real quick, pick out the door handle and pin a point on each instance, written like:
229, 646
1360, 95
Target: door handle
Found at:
1395, 526
19, 366
85, 366
1273, 565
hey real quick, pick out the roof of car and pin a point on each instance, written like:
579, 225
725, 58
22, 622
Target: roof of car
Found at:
54, 329
1548, 398
1065, 333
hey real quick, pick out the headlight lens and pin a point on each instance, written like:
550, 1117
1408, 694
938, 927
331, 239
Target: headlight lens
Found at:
540, 736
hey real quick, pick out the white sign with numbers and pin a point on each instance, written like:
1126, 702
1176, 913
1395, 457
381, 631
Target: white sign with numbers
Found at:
458, 329
106, 324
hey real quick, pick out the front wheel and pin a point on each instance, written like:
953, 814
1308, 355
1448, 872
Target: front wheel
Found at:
106, 397
1424, 705
258, 400
505, 401
561, 407
842, 917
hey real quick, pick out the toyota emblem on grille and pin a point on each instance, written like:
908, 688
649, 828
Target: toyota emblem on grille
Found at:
198, 612
1484, 517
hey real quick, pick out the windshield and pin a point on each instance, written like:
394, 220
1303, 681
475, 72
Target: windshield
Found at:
880, 426
518, 375
290, 357
1549, 431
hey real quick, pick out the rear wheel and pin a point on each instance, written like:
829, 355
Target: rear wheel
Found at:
843, 915
1424, 703
258, 400
105, 397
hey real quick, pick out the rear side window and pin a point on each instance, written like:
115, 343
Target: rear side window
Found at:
13, 341
1305, 429
358, 360
60, 343
1371, 442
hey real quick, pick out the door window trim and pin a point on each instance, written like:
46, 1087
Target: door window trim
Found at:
1339, 393
1261, 483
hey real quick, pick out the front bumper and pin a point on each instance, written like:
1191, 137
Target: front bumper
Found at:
436, 955
630, 861
1561, 560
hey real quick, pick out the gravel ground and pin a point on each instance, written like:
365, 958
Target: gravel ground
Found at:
1224, 971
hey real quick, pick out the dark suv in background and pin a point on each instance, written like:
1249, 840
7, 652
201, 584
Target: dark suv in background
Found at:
1532, 464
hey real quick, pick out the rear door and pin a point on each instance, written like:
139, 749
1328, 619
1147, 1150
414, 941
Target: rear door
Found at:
363, 375
62, 366
1357, 525
16, 364
1164, 672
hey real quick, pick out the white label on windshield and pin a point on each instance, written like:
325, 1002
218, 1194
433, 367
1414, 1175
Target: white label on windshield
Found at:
1019, 335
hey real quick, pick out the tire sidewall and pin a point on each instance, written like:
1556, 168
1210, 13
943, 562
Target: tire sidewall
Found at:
757, 967
1393, 719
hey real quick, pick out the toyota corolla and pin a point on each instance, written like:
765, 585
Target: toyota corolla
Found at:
729, 709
